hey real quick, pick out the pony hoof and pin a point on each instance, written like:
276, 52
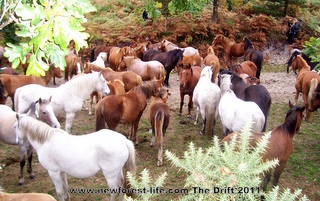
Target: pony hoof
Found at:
201, 132
21, 182
195, 123
150, 131
32, 176
189, 116
179, 114
159, 163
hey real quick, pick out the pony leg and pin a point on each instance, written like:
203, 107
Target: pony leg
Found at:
266, 180
197, 116
181, 103
29, 168
23, 153
278, 171
114, 183
57, 181
296, 97
65, 185
306, 104
190, 106
204, 121
69, 120
134, 128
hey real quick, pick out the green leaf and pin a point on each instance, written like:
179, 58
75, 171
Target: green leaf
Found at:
25, 12
36, 67
56, 56
44, 34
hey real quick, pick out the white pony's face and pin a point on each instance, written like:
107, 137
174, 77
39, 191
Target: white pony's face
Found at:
207, 71
20, 137
102, 86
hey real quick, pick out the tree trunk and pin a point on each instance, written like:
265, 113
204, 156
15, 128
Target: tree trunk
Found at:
215, 11
286, 3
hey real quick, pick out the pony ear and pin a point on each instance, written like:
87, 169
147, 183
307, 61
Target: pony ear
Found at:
290, 104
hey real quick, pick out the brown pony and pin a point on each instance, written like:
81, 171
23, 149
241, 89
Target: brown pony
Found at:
280, 143
12, 82
116, 56
129, 78
207, 61
74, 66
247, 67
126, 108
139, 51
230, 47
100, 48
116, 88
193, 60
315, 96
148, 70
303, 81
158, 115
3, 93
189, 78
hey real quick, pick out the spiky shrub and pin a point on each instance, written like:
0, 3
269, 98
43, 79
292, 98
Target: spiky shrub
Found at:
228, 171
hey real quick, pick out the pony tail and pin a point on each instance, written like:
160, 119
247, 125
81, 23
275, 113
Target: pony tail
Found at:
158, 132
130, 164
313, 86
100, 120
210, 118
92, 54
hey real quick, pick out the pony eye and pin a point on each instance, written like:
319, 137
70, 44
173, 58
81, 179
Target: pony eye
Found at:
44, 113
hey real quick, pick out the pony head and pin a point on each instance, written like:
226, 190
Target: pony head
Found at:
44, 112
102, 86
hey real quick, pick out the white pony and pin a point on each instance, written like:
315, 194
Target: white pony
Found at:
80, 156
67, 99
41, 110
236, 113
101, 58
188, 51
206, 97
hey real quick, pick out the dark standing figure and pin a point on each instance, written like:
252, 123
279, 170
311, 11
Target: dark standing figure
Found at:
145, 15
292, 32
256, 56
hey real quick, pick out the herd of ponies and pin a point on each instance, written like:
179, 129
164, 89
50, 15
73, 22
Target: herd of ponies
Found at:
124, 80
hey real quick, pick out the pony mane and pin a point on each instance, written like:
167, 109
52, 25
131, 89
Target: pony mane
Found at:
302, 62
81, 82
289, 125
295, 52
37, 130
148, 88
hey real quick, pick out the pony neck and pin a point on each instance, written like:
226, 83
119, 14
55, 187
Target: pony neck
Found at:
289, 126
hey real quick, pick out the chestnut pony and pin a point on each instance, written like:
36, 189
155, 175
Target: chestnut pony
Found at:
230, 47
126, 108
74, 66
211, 57
116, 56
189, 77
129, 78
12, 82
247, 67
280, 143
158, 115
303, 81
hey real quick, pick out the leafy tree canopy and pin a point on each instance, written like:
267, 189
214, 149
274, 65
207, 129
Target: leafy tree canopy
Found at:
45, 29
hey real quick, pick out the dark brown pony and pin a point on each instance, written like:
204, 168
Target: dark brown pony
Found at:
253, 55
126, 108
12, 82
3, 94
303, 81
8, 70
158, 115
74, 66
116, 56
189, 78
315, 96
230, 47
247, 67
168, 59
280, 143
129, 78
